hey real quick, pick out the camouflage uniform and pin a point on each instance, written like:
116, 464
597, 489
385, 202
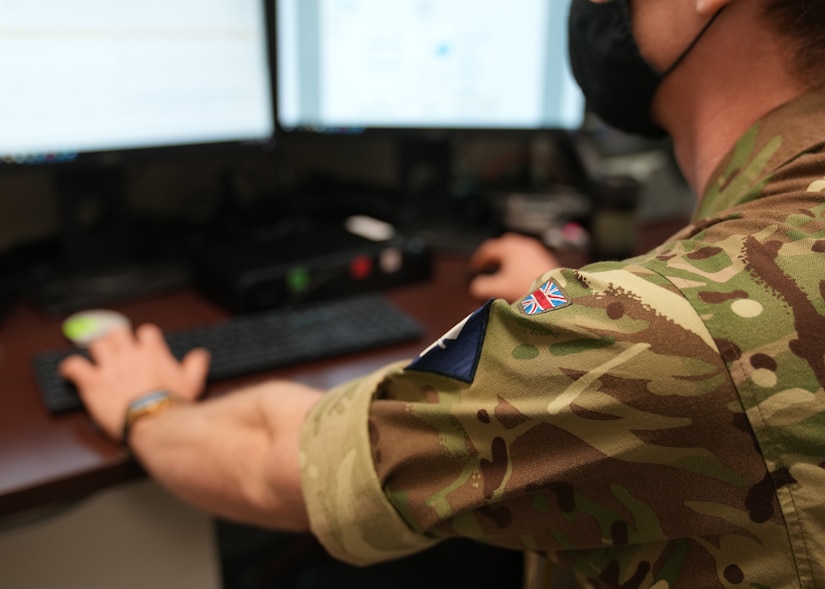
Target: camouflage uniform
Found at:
656, 422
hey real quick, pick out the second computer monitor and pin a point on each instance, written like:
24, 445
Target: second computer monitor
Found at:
351, 66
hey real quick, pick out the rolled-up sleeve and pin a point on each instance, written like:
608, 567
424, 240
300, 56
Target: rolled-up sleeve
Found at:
349, 512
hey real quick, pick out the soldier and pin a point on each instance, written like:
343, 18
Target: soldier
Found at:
654, 422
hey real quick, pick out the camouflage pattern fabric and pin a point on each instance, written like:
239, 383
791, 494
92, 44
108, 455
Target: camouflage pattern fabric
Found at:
656, 422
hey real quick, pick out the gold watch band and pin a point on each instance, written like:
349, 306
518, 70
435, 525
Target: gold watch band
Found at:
148, 404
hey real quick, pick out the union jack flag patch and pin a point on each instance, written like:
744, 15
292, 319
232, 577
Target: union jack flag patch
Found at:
545, 298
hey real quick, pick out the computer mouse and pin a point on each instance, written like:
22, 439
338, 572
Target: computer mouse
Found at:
84, 327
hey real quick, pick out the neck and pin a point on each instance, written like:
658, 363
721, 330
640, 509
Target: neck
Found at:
721, 89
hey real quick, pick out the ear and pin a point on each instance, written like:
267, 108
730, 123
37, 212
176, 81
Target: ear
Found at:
710, 7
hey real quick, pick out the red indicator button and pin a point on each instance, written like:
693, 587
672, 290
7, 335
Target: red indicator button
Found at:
360, 267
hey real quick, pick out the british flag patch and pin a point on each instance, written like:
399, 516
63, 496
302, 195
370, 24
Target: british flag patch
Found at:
545, 298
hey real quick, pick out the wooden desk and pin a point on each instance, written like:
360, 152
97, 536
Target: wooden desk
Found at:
47, 459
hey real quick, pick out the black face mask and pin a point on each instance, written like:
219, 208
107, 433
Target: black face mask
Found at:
617, 82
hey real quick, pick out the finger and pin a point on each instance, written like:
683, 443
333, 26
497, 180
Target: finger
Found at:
76, 368
115, 340
195, 370
151, 336
484, 287
119, 337
488, 251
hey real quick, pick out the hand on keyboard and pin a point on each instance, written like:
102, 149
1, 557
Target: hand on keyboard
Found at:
126, 365
265, 340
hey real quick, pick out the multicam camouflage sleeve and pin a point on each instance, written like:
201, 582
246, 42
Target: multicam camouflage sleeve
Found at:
657, 422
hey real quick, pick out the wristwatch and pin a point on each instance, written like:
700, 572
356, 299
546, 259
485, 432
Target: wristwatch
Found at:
148, 404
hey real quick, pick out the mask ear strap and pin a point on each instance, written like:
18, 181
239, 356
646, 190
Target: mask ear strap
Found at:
693, 43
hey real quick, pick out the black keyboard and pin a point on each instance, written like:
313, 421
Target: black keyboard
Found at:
262, 340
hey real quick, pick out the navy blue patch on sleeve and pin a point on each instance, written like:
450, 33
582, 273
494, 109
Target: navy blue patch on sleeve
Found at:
456, 353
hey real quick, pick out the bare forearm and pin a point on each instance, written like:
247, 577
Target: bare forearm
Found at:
235, 456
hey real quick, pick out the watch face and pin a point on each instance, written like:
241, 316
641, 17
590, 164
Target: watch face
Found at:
149, 400
148, 404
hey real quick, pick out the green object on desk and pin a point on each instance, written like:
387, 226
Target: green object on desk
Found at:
80, 327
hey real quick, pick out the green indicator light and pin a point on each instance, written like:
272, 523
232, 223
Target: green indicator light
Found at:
297, 279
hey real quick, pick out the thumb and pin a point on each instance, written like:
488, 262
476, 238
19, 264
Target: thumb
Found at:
195, 366
485, 286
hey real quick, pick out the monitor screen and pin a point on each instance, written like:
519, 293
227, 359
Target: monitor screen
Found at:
347, 66
100, 76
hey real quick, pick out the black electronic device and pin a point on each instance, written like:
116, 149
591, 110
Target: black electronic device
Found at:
101, 87
323, 260
251, 343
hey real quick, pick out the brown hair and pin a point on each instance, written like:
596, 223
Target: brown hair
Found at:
802, 22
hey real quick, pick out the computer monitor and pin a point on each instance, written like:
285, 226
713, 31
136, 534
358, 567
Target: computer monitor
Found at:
90, 87
94, 77
358, 66
429, 75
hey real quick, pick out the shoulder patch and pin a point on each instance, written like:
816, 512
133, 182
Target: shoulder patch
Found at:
548, 297
456, 353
